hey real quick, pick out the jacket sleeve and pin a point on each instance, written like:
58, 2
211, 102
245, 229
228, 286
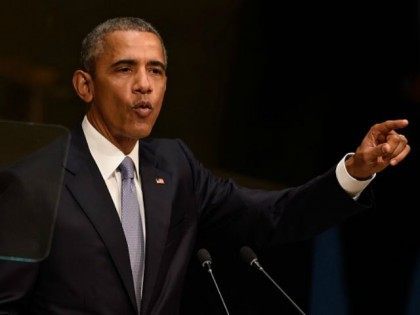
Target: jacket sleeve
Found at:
264, 218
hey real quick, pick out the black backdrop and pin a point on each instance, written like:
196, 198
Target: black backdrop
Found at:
308, 80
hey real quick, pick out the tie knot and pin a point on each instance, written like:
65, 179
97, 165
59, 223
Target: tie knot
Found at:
127, 168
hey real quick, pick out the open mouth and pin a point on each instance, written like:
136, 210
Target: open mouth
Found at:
142, 105
143, 108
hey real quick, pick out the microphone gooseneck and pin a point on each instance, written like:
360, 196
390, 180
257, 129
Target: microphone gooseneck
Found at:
251, 259
204, 257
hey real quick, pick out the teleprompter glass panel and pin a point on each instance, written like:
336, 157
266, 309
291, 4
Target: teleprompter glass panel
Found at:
32, 158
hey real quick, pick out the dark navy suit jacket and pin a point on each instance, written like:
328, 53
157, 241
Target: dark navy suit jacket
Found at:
88, 271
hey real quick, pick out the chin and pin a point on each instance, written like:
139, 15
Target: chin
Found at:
141, 133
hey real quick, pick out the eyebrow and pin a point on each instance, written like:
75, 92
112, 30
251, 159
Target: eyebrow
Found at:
132, 62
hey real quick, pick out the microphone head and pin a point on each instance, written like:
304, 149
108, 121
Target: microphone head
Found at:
248, 255
204, 257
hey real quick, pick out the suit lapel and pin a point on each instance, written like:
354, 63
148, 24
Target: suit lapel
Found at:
86, 182
157, 195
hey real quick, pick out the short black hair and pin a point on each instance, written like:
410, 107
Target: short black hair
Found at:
92, 43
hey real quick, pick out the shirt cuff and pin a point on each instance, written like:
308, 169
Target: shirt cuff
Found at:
351, 185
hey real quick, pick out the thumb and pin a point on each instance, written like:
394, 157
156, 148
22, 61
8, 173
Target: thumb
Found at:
381, 150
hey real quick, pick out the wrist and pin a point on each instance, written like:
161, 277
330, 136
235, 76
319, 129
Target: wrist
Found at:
355, 170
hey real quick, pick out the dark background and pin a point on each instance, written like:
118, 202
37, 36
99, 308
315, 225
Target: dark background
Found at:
271, 94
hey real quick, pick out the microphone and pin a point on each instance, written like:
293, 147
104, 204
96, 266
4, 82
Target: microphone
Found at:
205, 260
251, 259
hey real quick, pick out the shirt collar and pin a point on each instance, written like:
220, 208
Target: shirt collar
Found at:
106, 155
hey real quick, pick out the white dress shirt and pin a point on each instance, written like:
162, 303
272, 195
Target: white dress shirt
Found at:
108, 157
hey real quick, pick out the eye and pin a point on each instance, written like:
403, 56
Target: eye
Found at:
156, 70
123, 69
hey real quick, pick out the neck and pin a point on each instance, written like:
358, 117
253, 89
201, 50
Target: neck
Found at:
126, 145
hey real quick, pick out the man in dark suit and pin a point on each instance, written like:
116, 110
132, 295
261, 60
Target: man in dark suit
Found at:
92, 267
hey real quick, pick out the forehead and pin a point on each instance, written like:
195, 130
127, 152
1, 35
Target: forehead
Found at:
131, 44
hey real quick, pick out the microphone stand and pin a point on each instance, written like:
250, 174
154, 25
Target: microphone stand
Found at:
207, 263
277, 286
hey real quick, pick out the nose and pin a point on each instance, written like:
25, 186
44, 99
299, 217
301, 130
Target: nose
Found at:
142, 82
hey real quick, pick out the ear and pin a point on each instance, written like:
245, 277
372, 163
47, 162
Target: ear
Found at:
83, 85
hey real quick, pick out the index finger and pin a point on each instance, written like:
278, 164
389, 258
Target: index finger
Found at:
390, 125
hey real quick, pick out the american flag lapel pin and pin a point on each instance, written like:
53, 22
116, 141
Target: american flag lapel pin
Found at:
160, 181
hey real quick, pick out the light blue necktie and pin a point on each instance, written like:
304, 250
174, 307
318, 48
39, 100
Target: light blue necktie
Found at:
132, 225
